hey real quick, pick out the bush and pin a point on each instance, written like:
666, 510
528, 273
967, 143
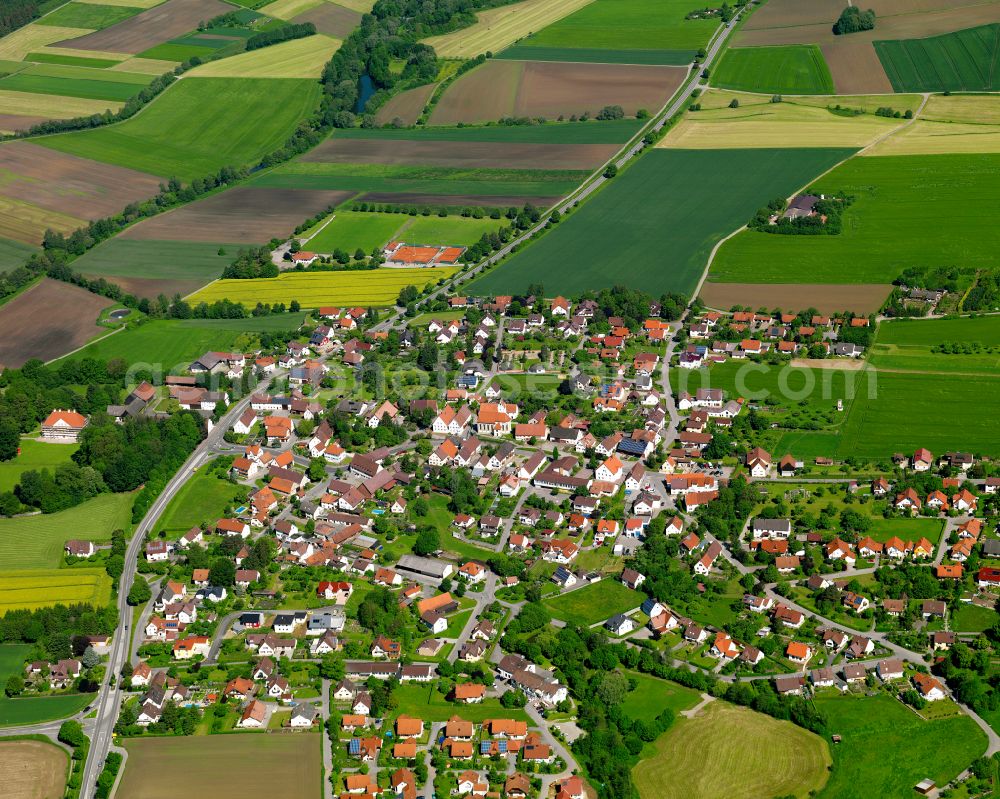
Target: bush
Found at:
853, 19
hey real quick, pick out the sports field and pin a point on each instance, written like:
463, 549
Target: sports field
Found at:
758, 122
299, 58
33, 769
202, 500
39, 588
795, 69
593, 603
654, 225
171, 344
31, 710
902, 205
886, 749
729, 752
621, 31
284, 766
34, 455
198, 126
36, 542
961, 61
378, 287
497, 28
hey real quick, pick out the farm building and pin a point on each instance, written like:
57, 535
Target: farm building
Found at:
398, 253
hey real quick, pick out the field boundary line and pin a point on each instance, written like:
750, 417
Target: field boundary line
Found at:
84, 346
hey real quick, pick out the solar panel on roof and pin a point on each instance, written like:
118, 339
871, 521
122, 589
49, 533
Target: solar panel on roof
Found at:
354, 746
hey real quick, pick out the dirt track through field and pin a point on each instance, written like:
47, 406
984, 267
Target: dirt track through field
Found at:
552, 89
151, 27
253, 215
48, 320
856, 68
458, 200
69, 184
331, 19
500, 155
825, 298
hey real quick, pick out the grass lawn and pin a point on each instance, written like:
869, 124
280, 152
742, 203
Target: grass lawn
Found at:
613, 131
593, 603
654, 225
198, 126
174, 343
36, 542
619, 30
458, 231
969, 618
36, 709
902, 204
652, 696
796, 69
885, 749
203, 499
34, 455
425, 702
961, 61
729, 752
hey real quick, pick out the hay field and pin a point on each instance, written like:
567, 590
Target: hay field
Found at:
729, 752
39, 588
52, 106
286, 9
498, 28
18, 44
760, 123
378, 287
299, 58
33, 770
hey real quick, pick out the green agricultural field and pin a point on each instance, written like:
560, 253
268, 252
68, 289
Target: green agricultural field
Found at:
458, 231
165, 260
70, 60
378, 287
886, 749
796, 69
425, 702
652, 696
655, 224
34, 455
198, 126
32, 710
202, 500
174, 343
908, 345
14, 253
88, 89
88, 15
39, 588
593, 603
422, 179
616, 131
211, 41
729, 752
969, 618
351, 230
923, 210
984, 330
36, 542
621, 31
963, 61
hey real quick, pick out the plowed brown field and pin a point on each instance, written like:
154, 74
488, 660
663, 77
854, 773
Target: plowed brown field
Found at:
457, 200
331, 19
856, 68
825, 298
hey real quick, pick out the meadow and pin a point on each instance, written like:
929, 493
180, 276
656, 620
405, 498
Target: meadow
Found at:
377, 287
652, 696
621, 31
593, 603
39, 588
795, 69
198, 126
284, 766
961, 61
654, 225
32, 710
729, 752
34, 455
36, 542
886, 749
202, 500
612, 131
173, 343
925, 211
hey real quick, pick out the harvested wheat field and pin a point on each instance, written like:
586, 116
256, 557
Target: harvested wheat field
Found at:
48, 320
52, 106
286, 9
69, 184
33, 770
331, 19
552, 89
856, 68
792, 297
299, 58
406, 106
498, 28
458, 200
253, 215
151, 27
15, 46
956, 124
463, 155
